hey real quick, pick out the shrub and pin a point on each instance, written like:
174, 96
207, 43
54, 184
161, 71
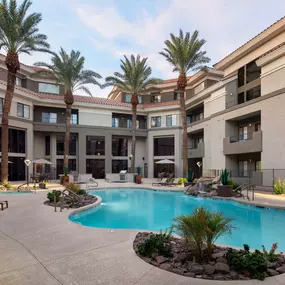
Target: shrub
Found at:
270, 255
81, 192
8, 186
182, 180
233, 183
73, 187
50, 196
156, 243
225, 177
201, 228
253, 262
279, 187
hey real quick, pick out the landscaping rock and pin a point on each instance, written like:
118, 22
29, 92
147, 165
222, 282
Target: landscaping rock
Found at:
281, 269
222, 260
166, 266
213, 193
219, 277
177, 264
195, 268
222, 267
272, 264
204, 276
178, 271
182, 257
219, 254
271, 272
161, 259
154, 263
234, 275
154, 255
209, 269
189, 274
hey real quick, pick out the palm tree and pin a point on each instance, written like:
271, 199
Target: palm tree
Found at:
19, 33
185, 55
134, 80
68, 69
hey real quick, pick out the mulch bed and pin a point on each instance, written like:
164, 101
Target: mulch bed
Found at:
183, 262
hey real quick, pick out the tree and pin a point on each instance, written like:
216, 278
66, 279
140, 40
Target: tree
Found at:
133, 80
19, 33
185, 55
68, 69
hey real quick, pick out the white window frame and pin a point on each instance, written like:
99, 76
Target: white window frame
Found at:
51, 117
44, 88
172, 119
154, 121
72, 121
25, 110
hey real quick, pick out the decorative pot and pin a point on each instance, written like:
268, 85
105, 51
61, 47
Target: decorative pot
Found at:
42, 186
64, 180
225, 191
139, 179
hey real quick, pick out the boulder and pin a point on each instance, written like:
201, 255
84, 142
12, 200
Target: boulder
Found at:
177, 264
271, 272
222, 260
182, 257
219, 254
272, 264
222, 267
189, 274
161, 259
281, 269
154, 263
219, 277
166, 266
234, 275
213, 193
195, 268
178, 271
192, 190
209, 269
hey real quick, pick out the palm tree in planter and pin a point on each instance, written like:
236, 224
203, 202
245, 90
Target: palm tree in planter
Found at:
19, 33
134, 79
68, 69
185, 55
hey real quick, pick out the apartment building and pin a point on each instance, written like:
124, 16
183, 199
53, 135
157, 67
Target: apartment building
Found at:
234, 114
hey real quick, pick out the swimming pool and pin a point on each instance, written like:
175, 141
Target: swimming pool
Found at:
154, 210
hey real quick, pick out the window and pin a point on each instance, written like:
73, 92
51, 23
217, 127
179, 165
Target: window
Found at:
1, 105
140, 99
163, 146
257, 127
171, 120
23, 111
49, 117
118, 165
96, 167
197, 141
59, 166
95, 145
47, 145
19, 81
253, 93
243, 134
119, 146
128, 98
241, 98
176, 96
129, 122
115, 122
17, 141
155, 122
60, 145
241, 77
252, 72
188, 119
155, 99
74, 119
48, 88
242, 169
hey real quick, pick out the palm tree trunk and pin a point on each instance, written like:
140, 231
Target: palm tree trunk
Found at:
67, 136
134, 101
13, 65
185, 136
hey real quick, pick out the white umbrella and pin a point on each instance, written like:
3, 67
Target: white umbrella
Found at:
41, 161
165, 161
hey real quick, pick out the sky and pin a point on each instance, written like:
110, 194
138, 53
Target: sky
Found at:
106, 30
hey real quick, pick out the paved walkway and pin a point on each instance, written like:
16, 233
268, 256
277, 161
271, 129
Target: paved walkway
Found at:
41, 247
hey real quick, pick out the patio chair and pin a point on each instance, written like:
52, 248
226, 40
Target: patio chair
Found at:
2, 203
163, 182
174, 182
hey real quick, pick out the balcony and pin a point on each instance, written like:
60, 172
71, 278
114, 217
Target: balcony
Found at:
196, 151
235, 145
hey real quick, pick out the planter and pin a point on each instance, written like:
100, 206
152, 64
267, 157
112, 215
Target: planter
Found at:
139, 179
225, 191
64, 180
42, 186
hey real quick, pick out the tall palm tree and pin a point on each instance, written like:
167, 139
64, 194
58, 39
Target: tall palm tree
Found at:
68, 69
19, 33
133, 79
185, 55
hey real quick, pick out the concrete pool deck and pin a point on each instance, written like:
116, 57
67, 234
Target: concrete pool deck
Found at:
41, 247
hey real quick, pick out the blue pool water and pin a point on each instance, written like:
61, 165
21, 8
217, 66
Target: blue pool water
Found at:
15, 193
154, 210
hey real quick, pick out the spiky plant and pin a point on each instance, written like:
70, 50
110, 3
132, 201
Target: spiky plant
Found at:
68, 69
19, 33
184, 53
134, 79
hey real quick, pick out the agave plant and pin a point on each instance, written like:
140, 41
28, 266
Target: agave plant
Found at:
19, 33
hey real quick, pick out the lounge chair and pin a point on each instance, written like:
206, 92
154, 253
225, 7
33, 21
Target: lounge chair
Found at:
163, 182
173, 182
2, 203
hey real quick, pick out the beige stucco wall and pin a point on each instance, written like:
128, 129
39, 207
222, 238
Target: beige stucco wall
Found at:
95, 117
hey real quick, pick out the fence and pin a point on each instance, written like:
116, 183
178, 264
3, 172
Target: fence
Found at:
262, 178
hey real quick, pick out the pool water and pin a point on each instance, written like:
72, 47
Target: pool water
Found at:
154, 210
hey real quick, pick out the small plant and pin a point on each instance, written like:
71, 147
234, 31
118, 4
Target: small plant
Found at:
73, 187
270, 255
181, 181
65, 171
156, 243
50, 196
233, 183
279, 187
225, 177
8, 186
202, 228
253, 262
81, 192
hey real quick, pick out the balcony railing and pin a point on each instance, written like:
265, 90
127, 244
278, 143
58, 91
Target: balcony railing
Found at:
196, 151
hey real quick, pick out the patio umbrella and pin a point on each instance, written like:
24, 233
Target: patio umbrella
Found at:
165, 161
41, 161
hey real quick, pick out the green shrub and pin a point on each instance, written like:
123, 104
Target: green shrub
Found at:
253, 262
201, 228
81, 192
279, 187
156, 243
50, 196
233, 183
182, 180
73, 187
225, 177
8, 186
270, 255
